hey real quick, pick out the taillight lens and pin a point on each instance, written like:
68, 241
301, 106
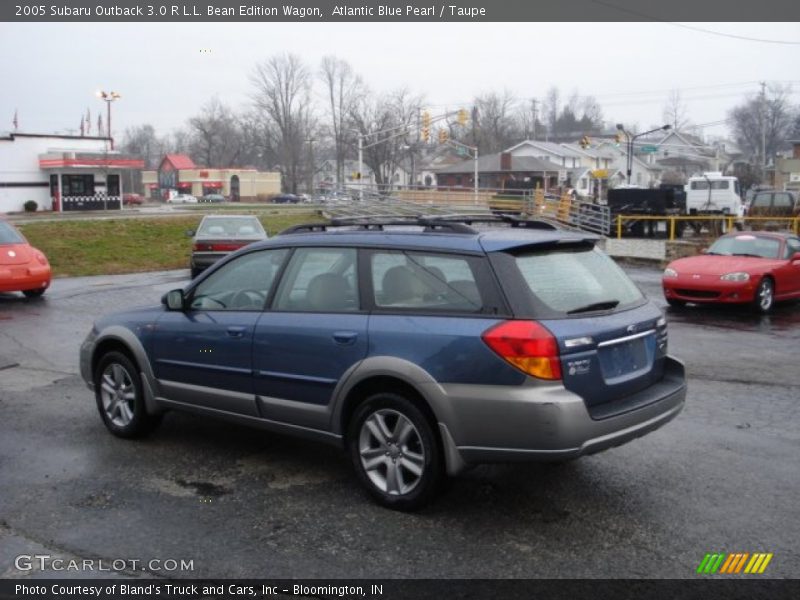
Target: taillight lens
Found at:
41, 258
528, 346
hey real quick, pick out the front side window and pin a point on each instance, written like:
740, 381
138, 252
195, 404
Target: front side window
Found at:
792, 247
419, 281
320, 280
242, 284
577, 280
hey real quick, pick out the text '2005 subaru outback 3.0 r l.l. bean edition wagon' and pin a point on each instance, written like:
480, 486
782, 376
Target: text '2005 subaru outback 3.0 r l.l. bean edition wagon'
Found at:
421, 349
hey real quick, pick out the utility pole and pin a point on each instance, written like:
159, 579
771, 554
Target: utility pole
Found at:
534, 102
763, 126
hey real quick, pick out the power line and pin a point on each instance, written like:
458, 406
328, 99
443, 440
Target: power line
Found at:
693, 28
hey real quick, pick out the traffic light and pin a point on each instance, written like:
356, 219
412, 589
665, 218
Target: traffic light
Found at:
425, 133
462, 116
443, 136
618, 139
585, 142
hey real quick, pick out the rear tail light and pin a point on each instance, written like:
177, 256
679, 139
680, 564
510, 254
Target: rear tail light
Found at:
528, 346
41, 258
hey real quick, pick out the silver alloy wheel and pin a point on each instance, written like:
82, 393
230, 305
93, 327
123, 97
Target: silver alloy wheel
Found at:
118, 394
765, 295
391, 451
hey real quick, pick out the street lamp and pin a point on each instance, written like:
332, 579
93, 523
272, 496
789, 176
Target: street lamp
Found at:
632, 138
108, 98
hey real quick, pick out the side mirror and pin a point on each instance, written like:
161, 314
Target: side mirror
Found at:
174, 300
190, 232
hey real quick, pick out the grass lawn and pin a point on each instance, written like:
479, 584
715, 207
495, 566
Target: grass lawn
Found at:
129, 245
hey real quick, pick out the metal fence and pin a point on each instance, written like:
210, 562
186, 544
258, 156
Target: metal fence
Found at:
715, 225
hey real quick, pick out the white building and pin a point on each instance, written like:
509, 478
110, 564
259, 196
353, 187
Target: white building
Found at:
61, 172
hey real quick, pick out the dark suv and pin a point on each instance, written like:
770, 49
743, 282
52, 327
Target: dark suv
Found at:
421, 349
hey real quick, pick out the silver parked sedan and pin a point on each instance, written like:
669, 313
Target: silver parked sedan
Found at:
219, 235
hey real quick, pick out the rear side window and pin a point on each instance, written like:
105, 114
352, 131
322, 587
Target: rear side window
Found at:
421, 281
320, 280
573, 281
783, 201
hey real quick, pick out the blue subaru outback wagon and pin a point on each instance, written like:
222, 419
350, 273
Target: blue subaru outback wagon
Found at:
420, 349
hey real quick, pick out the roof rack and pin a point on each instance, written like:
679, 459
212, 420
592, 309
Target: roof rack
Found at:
455, 223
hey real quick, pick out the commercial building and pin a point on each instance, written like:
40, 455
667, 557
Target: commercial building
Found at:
61, 172
177, 173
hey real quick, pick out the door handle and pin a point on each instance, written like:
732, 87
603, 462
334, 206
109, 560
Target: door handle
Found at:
345, 338
236, 332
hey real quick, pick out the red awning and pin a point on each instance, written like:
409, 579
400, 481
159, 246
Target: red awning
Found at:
185, 184
212, 184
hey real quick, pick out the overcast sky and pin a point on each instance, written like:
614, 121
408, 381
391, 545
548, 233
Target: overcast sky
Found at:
50, 71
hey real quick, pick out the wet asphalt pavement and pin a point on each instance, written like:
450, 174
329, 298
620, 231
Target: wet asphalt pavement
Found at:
723, 477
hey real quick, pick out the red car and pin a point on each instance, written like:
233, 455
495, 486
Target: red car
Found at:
23, 268
755, 267
132, 199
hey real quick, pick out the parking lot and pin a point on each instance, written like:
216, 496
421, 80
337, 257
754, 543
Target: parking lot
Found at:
235, 502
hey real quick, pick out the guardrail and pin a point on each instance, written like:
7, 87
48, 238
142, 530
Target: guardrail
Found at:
793, 223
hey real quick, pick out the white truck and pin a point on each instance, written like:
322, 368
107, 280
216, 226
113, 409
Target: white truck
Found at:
714, 193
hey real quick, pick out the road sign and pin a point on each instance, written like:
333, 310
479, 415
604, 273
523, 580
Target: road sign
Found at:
600, 173
648, 149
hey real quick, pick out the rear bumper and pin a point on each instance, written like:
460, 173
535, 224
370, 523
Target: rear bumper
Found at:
34, 278
203, 260
549, 423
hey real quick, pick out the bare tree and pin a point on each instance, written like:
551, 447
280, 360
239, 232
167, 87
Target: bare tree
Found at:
495, 128
216, 136
282, 96
344, 89
386, 122
675, 111
763, 118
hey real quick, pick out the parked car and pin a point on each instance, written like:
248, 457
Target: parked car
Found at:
420, 350
132, 199
756, 268
219, 235
23, 268
213, 198
773, 203
183, 199
286, 199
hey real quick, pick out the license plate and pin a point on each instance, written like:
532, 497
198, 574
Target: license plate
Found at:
621, 359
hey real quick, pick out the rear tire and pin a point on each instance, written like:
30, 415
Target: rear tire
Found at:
395, 451
765, 296
34, 293
120, 398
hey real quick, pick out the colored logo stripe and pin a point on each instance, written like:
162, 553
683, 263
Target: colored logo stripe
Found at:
723, 563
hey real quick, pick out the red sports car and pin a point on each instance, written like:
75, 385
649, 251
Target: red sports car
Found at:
23, 268
755, 267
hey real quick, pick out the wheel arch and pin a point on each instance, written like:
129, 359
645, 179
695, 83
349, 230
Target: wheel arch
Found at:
120, 339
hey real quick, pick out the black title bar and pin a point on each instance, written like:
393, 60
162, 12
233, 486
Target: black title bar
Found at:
194, 11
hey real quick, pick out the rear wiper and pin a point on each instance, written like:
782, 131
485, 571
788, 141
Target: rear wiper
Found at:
604, 305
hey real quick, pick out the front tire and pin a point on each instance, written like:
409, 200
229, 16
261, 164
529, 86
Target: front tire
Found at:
120, 398
395, 451
34, 293
765, 296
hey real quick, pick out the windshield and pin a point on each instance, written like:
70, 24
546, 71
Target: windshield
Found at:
572, 281
231, 227
9, 235
746, 245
